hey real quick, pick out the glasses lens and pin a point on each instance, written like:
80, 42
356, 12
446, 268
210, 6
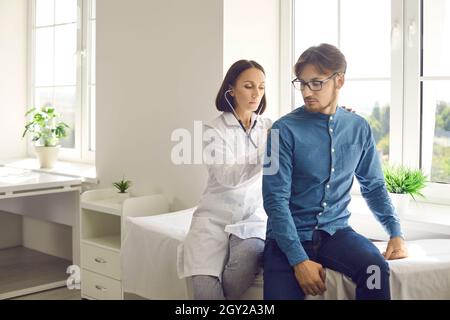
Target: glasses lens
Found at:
315, 85
297, 85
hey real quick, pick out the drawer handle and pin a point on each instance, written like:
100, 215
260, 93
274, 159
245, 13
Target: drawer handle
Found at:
103, 289
100, 260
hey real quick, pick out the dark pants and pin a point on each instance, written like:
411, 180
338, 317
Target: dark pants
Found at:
346, 252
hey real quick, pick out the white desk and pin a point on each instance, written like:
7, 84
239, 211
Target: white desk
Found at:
44, 197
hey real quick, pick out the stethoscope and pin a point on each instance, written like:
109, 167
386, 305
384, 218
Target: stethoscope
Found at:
240, 122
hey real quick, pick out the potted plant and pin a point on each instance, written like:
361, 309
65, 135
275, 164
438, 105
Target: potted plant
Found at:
46, 132
122, 186
403, 184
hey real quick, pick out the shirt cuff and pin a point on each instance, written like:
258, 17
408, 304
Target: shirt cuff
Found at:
297, 254
394, 230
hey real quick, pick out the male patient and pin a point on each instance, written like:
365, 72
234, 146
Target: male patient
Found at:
321, 147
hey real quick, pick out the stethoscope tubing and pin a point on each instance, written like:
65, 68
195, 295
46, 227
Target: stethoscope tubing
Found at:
240, 122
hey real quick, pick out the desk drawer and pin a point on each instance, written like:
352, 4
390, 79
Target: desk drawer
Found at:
100, 287
101, 260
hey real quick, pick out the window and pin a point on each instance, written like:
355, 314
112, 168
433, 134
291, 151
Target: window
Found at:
398, 74
62, 69
345, 23
435, 89
91, 74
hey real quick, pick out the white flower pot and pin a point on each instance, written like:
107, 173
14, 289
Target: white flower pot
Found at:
400, 202
47, 156
122, 196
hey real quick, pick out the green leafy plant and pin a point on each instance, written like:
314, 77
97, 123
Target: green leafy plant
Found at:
122, 185
44, 127
401, 179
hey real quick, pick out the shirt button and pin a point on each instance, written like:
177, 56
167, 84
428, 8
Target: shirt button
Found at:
331, 118
324, 204
320, 214
331, 130
332, 150
332, 169
316, 227
328, 186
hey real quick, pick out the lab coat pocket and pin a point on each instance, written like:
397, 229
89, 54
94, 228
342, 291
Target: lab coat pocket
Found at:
204, 226
205, 247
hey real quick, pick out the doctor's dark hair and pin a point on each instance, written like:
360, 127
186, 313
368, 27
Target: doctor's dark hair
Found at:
325, 57
230, 80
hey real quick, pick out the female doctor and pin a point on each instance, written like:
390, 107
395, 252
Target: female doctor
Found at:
222, 252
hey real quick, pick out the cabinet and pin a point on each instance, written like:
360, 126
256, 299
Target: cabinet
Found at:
101, 213
102, 216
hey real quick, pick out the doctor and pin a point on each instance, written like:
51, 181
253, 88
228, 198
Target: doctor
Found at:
222, 252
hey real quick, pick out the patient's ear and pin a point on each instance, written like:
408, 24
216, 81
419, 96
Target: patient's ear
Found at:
340, 80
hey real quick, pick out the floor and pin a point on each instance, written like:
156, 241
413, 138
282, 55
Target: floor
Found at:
22, 269
65, 294
54, 294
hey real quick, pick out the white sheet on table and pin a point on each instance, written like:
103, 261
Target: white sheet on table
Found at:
149, 260
424, 275
149, 255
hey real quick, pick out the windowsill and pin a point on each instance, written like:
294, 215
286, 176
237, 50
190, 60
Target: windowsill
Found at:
421, 218
86, 172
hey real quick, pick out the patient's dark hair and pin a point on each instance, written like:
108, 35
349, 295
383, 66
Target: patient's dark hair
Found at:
325, 57
230, 80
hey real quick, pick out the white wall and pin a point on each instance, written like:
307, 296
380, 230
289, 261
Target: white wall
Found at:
252, 31
13, 83
159, 64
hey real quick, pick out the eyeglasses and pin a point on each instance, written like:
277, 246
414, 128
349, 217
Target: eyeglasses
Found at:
313, 85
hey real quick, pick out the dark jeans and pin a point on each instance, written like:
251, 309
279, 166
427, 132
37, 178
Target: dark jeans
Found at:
346, 252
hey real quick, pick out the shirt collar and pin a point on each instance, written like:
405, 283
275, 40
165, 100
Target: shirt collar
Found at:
231, 120
318, 115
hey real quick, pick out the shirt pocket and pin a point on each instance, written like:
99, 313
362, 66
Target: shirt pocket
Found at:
349, 156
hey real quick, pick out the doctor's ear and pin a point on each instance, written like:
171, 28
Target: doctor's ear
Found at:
230, 91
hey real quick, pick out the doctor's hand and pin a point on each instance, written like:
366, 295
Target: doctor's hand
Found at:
311, 277
349, 109
396, 249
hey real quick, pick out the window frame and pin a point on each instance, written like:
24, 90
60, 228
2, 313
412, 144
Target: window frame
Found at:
81, 152
406, 109
86, 56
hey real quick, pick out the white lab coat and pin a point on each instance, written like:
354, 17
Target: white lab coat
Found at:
232, 201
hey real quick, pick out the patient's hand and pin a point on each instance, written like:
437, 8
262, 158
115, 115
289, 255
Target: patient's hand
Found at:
396, 249
310, 276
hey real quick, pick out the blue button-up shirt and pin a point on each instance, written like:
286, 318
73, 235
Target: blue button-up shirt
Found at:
318, 157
